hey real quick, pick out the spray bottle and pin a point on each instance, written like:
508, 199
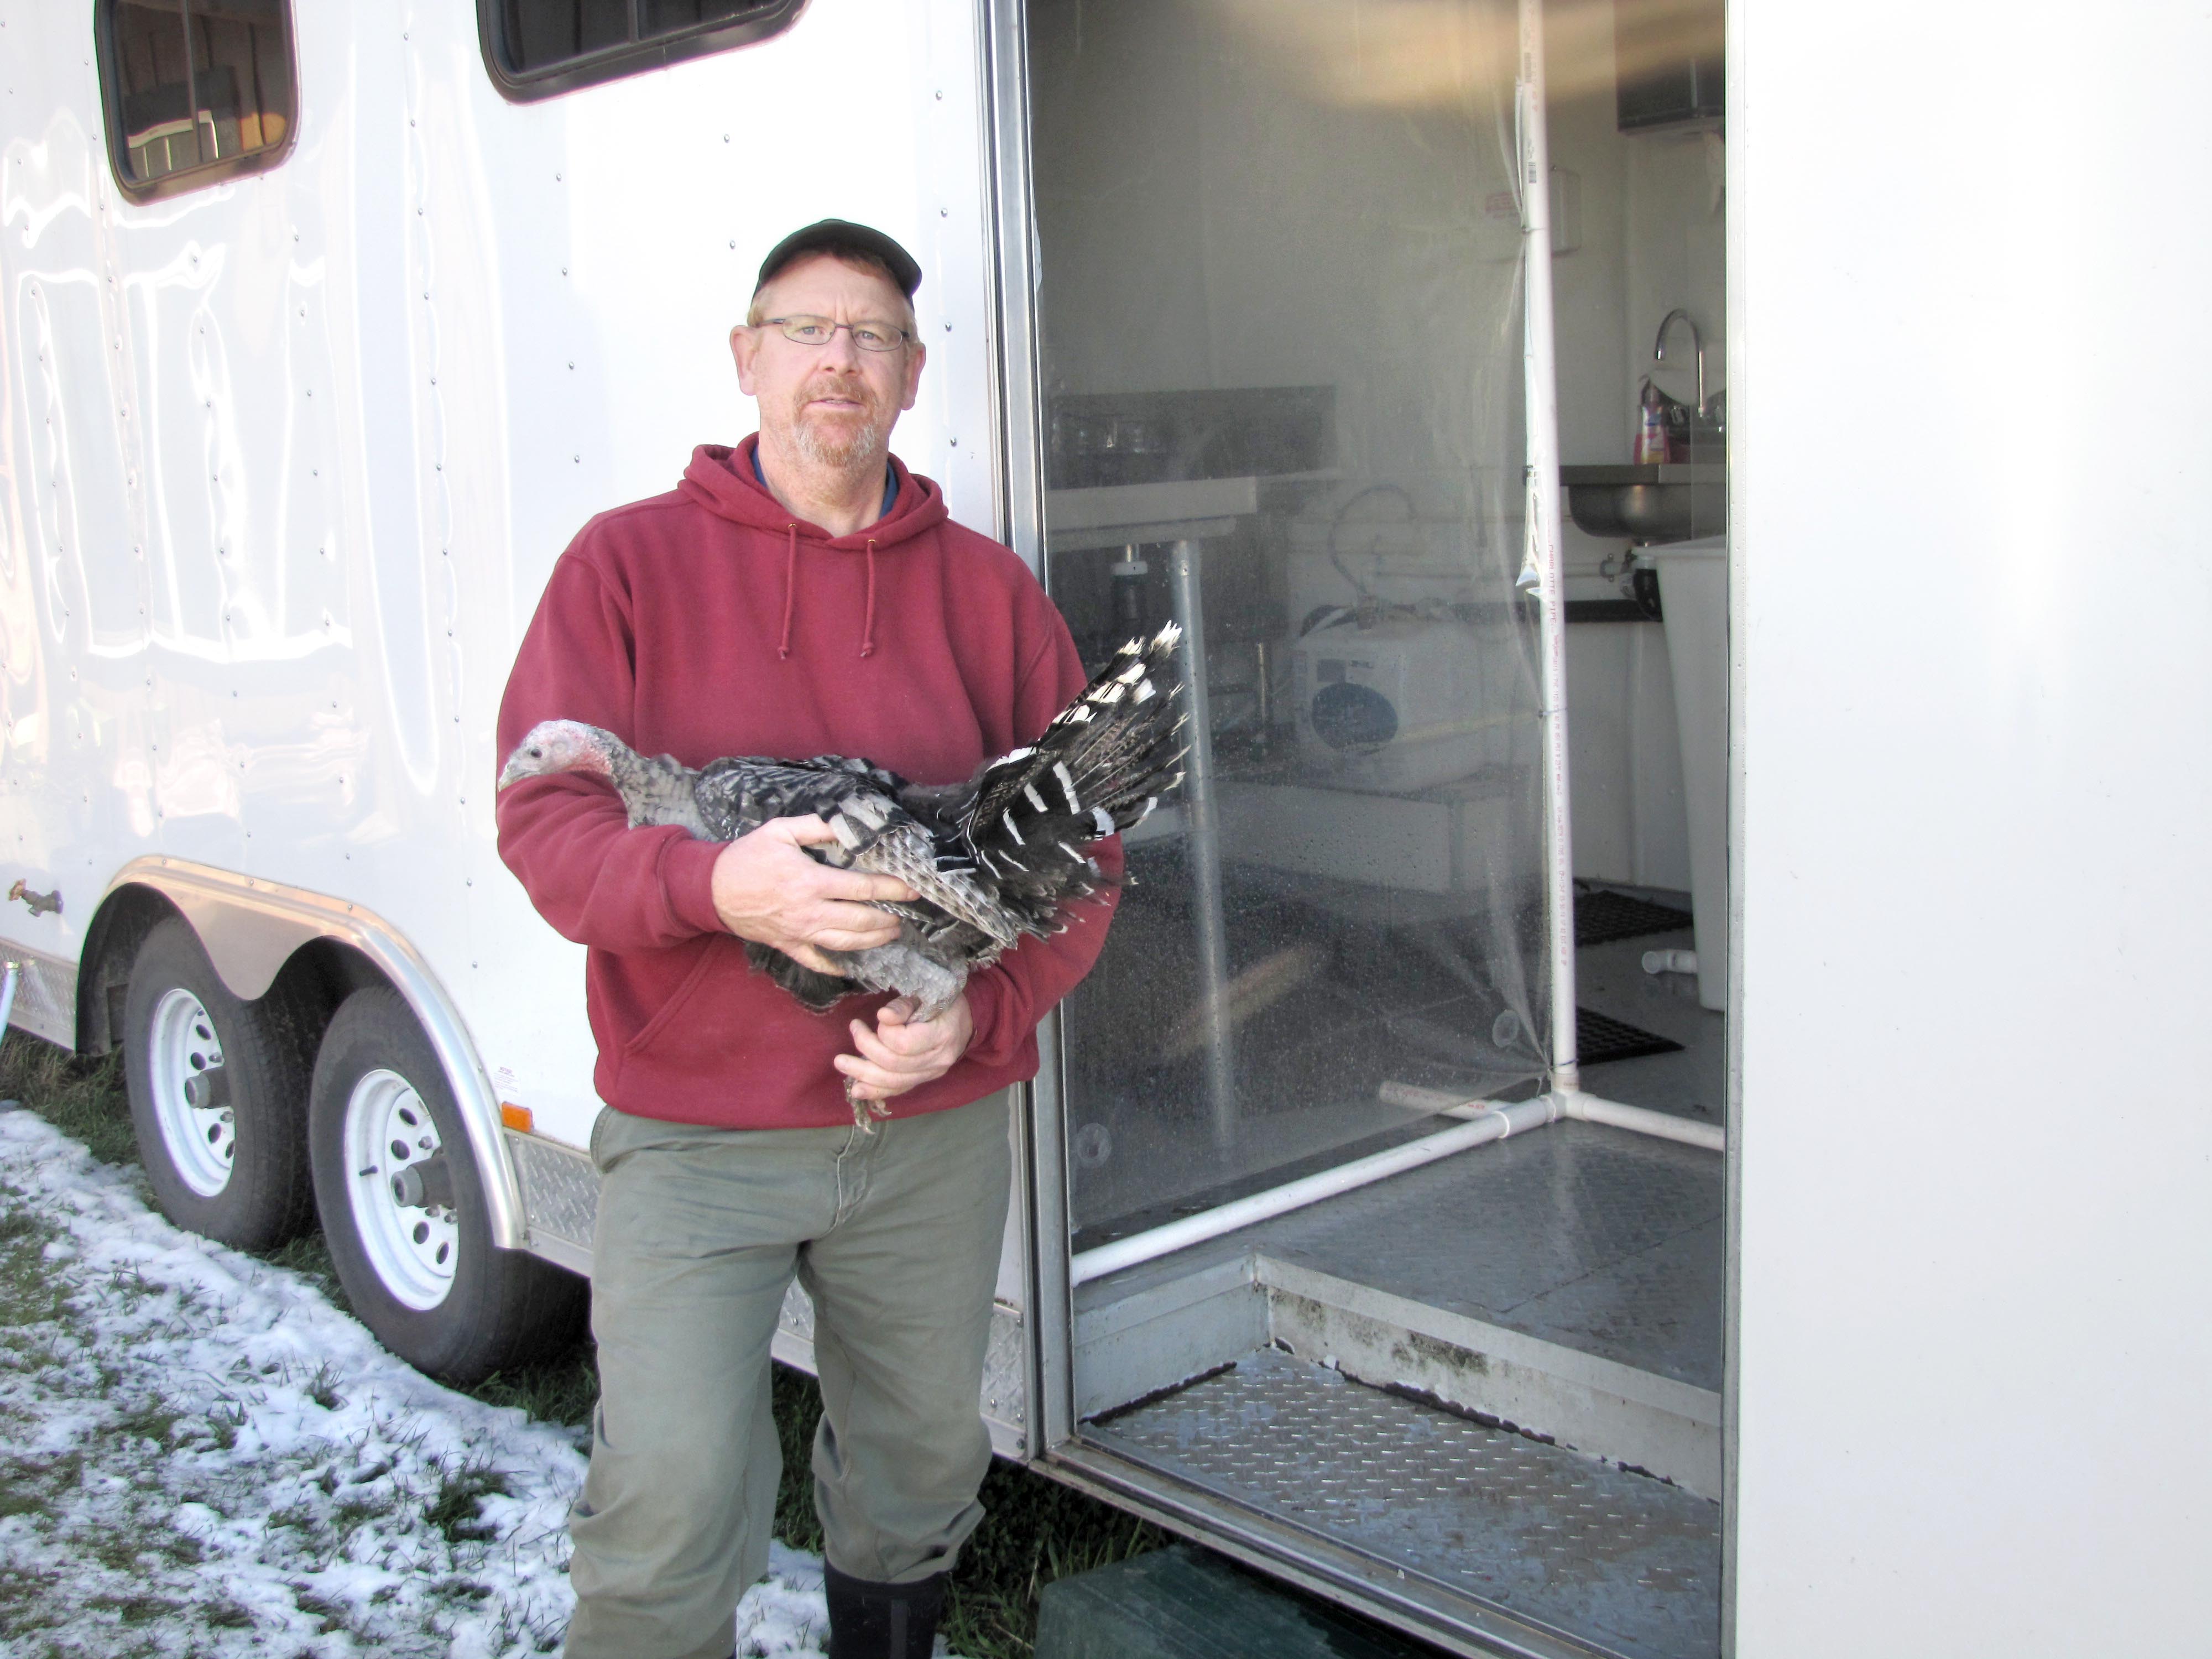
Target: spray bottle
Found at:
1651, 426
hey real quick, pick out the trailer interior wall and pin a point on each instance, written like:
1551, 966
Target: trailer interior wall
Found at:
1969, 260
1641, 223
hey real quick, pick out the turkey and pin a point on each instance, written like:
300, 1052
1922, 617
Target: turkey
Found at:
990, 860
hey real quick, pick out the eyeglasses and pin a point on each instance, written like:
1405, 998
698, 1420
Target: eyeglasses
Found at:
806, 331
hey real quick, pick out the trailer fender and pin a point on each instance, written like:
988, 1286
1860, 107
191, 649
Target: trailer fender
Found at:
251, 927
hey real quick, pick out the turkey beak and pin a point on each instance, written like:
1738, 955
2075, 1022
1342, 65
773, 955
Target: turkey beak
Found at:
514, 772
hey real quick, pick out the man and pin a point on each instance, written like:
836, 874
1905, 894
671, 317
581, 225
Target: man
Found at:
800, 594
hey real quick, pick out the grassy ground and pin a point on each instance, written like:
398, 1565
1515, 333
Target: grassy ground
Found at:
1037, 1529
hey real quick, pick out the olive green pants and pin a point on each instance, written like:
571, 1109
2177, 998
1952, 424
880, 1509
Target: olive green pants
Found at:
895, 1235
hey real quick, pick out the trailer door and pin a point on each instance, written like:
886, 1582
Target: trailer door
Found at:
1280, 340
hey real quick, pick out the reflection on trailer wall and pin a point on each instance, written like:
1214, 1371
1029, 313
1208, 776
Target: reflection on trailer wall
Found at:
1282, 347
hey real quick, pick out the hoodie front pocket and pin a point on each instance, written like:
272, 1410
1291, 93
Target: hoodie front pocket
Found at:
686, 989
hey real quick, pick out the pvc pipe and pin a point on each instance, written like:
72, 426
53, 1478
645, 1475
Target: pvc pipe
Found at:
1495, 1123
1662, 1126
1540, 377
1589, 1108
1201, 816
8, 996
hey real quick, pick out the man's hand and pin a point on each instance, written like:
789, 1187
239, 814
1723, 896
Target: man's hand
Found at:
903, 1053
766, 889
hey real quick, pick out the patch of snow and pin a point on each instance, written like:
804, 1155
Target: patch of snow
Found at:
199, 1453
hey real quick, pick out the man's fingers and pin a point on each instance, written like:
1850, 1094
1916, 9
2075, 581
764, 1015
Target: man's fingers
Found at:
804, 830
874, 1050
857, 886
871, 1082
807, 956
860, 887
867, 937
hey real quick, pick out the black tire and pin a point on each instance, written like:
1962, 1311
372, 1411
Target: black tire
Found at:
250, 1190
459, 1317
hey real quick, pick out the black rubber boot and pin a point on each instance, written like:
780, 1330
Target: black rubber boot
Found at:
882, 1621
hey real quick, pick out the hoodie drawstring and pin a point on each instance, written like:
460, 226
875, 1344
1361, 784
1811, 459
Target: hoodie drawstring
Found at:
868, 616
791, 595
790, 586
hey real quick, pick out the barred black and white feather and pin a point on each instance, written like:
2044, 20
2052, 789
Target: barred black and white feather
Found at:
992, 859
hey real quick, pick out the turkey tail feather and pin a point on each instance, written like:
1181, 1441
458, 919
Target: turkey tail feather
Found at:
1098, 769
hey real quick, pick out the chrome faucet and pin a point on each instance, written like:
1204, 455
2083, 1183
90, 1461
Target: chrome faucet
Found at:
1697, 344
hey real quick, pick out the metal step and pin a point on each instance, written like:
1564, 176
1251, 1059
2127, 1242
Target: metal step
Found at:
1614, 1561
1650, 1423
1567, 1283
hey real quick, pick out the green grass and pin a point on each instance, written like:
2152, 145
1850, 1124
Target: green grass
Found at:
82, 1098
1034, 1529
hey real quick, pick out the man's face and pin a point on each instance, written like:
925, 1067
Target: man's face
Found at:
833, 405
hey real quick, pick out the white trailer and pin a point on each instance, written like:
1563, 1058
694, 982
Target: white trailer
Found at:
1384, 1223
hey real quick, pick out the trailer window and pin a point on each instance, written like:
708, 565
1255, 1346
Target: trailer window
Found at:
536, 48
196, 90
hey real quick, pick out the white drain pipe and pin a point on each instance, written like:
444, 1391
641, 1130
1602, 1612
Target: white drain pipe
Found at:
1643, 1120
1542, 562
1589, 1108
1486, 1122
8, 996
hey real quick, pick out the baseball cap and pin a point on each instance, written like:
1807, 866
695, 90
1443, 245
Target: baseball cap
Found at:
834, 235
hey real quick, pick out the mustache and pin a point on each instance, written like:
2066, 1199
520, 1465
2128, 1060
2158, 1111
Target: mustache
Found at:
851, 386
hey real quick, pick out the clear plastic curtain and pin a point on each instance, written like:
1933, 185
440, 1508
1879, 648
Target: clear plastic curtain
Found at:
1280, 310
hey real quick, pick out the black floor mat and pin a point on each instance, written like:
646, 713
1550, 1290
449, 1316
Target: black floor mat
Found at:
1601, 916
1600, 1037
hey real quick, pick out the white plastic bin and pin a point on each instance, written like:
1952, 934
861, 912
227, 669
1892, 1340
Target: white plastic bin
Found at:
1693, 595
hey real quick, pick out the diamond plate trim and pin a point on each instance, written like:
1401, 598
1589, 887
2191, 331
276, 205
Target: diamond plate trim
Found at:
1006, 1360
559, 1189
797, 1318
1005, 1370
1550, 1535
46, 996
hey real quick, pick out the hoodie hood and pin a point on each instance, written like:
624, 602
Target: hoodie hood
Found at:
720, 479
726, 482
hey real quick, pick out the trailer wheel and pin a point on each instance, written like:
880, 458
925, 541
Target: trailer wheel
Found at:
218, 1089
404, 1210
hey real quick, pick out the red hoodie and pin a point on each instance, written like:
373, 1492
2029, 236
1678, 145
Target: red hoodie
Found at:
709, 622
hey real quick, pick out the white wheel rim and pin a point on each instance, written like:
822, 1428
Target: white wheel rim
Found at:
202, 1140
413, 1247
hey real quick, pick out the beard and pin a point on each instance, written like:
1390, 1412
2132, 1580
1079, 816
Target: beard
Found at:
842, 444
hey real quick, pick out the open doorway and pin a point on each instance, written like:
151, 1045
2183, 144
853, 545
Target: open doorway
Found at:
1327, 1272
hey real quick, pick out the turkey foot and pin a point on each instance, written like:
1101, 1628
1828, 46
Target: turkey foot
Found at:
866, 1113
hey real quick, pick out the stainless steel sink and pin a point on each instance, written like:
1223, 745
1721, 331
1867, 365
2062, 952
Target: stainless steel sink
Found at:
1649, 505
